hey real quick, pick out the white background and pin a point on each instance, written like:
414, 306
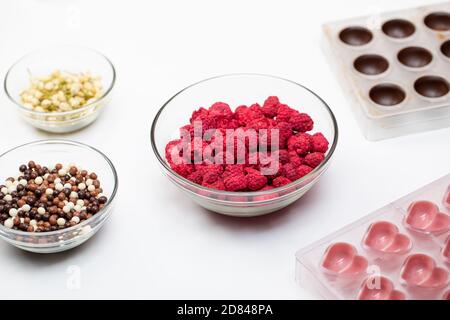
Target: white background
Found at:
159, 244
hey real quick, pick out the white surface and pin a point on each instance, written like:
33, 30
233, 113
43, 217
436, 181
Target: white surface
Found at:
158, 244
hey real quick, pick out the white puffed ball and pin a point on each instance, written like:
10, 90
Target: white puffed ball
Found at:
91, 188
75, 219
62, 172
46, 175
26, 208
61, 221
9, 223
23, 182
4, 190
71, 205
13, 212
49, 191
59, 186
80, 202
66, 209
57, 180
81, 186
38, 180
77, 208
8, 198
12, 188
8, 183
67, 186
41, 210
73, 195
33, 222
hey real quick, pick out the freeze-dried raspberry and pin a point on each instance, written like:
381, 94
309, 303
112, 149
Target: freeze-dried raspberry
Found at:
210, 177
314, 159
218, 185
303, 170
235, 183
220, 110
301, 122
201, 113
256, 181
300, 143
196, 177
283, 156
290, 171
319, 143
183, 170
173, 151
285, 132
284, 113
270, 107
295, 159
232, 170
280, 181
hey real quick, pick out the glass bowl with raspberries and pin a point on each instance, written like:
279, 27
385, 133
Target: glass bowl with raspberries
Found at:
244, 144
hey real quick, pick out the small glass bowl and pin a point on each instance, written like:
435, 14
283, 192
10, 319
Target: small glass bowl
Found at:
48, 152
238, 89
65, 58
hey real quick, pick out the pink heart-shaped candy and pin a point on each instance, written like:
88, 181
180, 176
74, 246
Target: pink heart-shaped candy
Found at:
424, 216
342, 259
420, 270
446, 250
379, 288
385, 237
447, 198
446, 295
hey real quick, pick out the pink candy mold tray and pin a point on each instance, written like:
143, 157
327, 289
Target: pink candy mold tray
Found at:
395, 67
401, 251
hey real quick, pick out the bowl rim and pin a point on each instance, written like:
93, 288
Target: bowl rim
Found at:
246, 193
63, 113
95, 217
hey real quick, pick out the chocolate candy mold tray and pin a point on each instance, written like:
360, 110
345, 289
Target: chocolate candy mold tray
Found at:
401, 251
396, 68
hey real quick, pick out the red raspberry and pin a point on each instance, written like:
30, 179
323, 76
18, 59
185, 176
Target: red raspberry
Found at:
284, 113
183, 170
314, 159
319, 143
280, 181
270, 107
295, 159
283, 156
301, 122
218, 185
196, 177
173, 149
300, 143
201, 113
290, 172
220, 110
256, 181
211, 177
235, 183
303, 170
240, 115
232, 170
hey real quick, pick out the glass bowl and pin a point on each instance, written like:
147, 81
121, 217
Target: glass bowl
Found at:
65, 58
48, 152
238, 89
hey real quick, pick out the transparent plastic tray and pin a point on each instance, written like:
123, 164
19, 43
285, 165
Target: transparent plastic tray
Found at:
401, 251
405, 105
